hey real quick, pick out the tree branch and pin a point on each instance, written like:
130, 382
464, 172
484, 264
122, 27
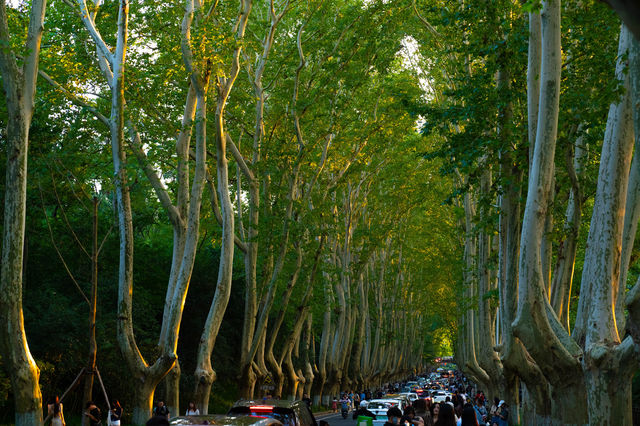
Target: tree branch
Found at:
30, 66
55, 246
161, 191
73, 98
237, 155
93, 31
215, 206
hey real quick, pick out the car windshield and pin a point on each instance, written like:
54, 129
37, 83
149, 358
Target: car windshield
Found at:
379, 405
284, 415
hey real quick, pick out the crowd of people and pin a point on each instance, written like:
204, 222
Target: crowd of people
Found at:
463, 407
453, 412
92, 412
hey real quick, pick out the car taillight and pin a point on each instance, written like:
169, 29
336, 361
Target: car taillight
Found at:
261, 408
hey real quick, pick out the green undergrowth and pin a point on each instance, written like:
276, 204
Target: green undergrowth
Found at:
223, 394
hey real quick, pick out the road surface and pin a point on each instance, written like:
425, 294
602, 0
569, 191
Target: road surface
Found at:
335, 419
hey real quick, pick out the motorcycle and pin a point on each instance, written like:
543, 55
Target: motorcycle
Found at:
345, 410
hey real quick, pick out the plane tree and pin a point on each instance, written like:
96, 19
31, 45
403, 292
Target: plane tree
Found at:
19, 77
532, 338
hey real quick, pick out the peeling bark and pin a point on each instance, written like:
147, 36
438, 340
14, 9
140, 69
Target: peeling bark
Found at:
608, 362
204, 373
535, 324
19, 90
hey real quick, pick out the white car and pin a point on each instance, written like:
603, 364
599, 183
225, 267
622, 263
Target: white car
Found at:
403, 398
440, 396
412, 396
379, 407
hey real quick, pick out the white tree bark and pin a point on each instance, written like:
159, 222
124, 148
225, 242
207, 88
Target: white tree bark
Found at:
19, 89
533, 79
632, 212
204, 373
487, 357
560, 295
632, 300
608, 362
247, 376
146, 376
536, 325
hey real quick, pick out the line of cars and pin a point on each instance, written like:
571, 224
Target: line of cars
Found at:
297, 413
269, 412
411, 391
380, 406
433, 388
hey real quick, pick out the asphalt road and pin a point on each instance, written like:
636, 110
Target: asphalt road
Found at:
335, 419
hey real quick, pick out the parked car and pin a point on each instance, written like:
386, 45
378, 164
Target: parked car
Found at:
222, 420
289, 413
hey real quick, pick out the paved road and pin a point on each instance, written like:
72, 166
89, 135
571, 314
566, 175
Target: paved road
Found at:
335, 419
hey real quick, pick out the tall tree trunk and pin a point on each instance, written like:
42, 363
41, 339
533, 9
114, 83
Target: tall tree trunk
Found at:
361, 325
324, 344
609, 363
145, 377
172, 389
308, 356
204, 373
632, 212
247, 380
533, 80
19, 89
535, 324
488, 358
276, 367
632, 300
93, 346
563, 273
469, 276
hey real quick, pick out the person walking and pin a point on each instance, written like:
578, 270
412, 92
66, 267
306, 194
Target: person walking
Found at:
493, 412
481, 411
503, 414
55, 411
394, 415
422, 410
446, 416
93, 413
161, 410
468, 417
412, 418
116, 413
306, 400
192, 410
435, 413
